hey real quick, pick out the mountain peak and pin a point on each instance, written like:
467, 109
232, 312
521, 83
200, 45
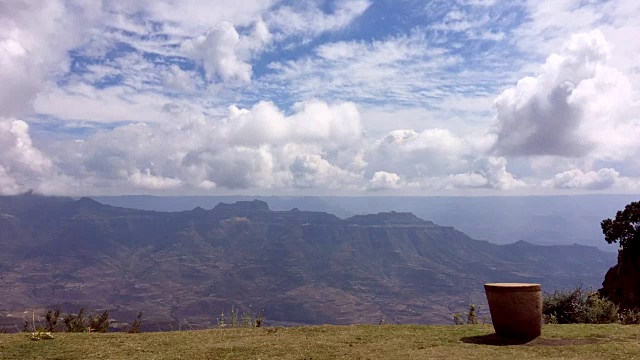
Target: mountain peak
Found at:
382, 218
87, 202
254, 205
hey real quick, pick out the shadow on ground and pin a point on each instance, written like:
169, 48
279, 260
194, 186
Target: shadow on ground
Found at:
495, 340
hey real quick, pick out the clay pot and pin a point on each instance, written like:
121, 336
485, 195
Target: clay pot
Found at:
516, 309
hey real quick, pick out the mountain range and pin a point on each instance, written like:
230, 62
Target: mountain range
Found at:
302, 267
543, 220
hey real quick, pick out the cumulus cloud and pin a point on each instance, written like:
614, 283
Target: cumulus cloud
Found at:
431, 152
437, 159
312, 122
590, 180
224, 54
145, 180
22, 166
34, 39
567, 107
383, 180
486, 172
258, 147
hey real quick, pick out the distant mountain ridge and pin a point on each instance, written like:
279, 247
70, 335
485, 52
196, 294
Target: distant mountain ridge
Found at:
544, 220
303, 267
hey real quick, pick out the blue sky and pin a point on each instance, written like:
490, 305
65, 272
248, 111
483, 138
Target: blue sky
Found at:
472, 97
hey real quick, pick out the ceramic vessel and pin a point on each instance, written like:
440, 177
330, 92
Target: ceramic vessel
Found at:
516, 309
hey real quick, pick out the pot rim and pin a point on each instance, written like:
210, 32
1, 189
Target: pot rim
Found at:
512, 287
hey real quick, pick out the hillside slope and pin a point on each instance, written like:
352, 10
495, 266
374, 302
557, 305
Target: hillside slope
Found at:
302, 267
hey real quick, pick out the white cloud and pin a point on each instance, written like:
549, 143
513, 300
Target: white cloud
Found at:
312, 122
486, 173
179, 80
22, 166
257, 148
383, 180
8, 185
34, 39
431, 152
145, 180
112, 105
224, 54
313, 171
425, 94
577, 179
568, 106
187, 17
308, 20
404, 69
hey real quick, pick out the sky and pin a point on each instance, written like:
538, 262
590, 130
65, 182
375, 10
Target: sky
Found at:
319, 97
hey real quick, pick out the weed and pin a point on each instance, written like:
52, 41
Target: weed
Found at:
630, 317
40, 335
246, 319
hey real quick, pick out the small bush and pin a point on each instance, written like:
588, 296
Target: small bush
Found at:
75, 322
470, 318
578, 307
80, 323
51, 319
135, 326
599, 310
99, 323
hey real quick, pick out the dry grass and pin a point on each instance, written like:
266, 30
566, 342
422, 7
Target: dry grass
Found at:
331, 342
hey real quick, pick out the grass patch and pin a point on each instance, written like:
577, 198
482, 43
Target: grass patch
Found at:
330, 342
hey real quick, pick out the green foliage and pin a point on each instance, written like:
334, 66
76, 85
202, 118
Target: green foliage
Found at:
578, 307
624, 229
600, 310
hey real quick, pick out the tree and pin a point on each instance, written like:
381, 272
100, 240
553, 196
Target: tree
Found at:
624, 229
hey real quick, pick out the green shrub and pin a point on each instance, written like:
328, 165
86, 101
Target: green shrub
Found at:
578, 307
599, 310
75, 322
